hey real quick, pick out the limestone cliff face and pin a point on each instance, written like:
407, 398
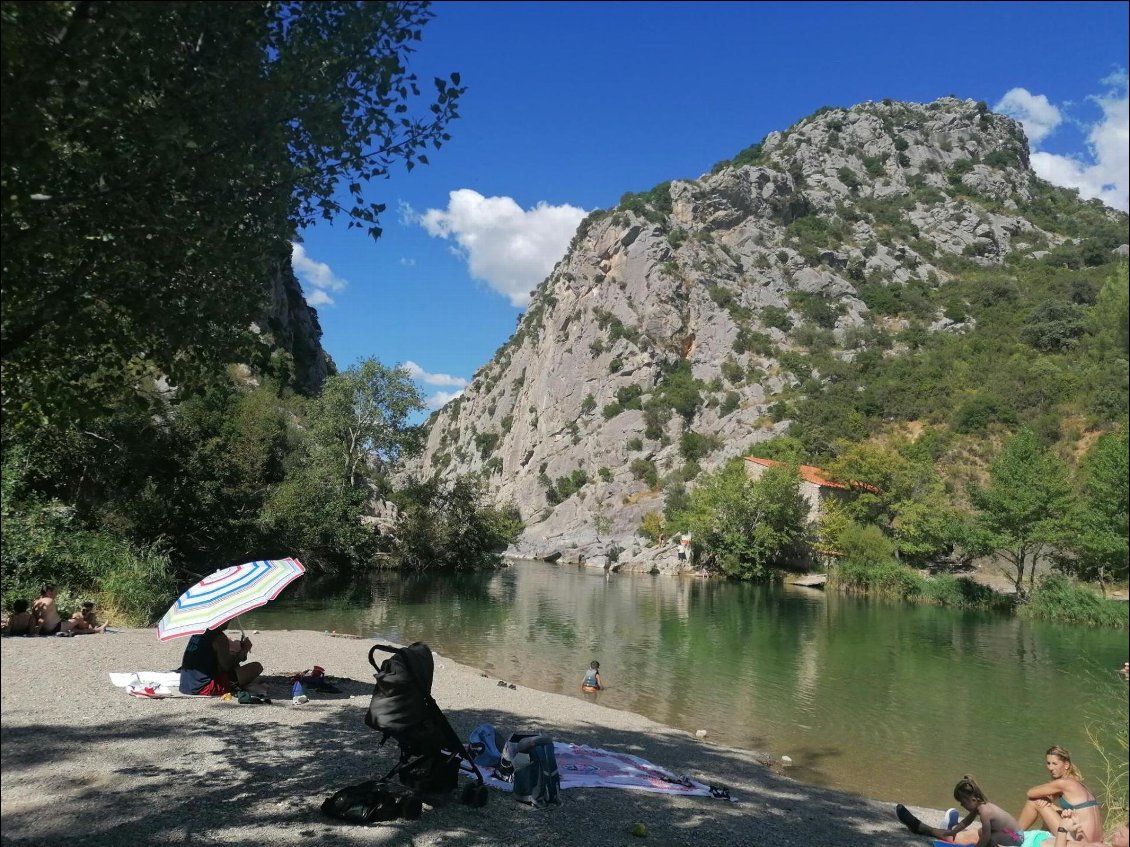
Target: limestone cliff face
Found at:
722, 276
290, 328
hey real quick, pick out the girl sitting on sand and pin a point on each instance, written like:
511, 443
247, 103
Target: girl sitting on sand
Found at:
998, 827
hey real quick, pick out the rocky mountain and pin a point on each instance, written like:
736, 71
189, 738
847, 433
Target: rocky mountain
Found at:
659, 344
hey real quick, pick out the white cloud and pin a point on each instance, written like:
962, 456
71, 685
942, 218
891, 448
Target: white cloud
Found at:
408, 263
317, 278
509, 248
1034, 111
1104, 172
416, 372
441, 399
317, 297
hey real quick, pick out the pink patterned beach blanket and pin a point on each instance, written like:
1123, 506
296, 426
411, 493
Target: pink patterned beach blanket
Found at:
582, 766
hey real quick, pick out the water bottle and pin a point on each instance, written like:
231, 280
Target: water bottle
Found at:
298, 695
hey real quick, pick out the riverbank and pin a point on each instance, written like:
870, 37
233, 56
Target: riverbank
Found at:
82, 761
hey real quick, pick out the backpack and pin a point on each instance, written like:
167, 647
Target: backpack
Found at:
371, 802
528, 761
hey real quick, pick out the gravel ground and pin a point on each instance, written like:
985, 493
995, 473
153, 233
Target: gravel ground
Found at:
85, 764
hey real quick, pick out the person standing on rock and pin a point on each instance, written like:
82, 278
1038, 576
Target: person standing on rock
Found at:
685, 547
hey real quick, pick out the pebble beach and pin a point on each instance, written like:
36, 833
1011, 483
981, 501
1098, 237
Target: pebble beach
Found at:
85, 764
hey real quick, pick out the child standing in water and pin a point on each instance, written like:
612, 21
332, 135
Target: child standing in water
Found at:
592, 682
998, 827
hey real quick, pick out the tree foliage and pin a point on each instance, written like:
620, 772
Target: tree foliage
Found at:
902, 496
1099, 526
156, 160
356, 428
743, 527
362, 419
1020, 513
446, 525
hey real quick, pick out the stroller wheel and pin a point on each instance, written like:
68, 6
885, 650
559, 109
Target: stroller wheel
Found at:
411, 808
474, 794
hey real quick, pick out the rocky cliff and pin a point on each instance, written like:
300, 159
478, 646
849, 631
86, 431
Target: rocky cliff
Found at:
658, 345
291, 334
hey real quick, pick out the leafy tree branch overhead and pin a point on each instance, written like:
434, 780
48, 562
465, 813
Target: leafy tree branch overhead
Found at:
158, 157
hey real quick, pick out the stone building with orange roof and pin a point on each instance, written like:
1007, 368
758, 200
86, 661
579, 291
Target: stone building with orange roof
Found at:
816, 486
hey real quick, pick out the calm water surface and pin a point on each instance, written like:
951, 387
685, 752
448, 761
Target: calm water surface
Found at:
883, 699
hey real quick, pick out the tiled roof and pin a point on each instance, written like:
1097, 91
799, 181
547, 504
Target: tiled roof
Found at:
808, 473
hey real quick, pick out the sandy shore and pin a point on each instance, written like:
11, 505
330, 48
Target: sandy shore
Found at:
85, 764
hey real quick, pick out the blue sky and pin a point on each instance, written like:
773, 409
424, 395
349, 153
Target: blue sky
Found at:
570, 105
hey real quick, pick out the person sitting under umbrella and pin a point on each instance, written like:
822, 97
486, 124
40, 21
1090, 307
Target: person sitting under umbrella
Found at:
213, 666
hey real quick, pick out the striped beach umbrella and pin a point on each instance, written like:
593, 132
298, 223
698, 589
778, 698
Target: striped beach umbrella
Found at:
226, 594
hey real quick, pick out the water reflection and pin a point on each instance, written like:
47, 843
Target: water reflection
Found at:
888, 700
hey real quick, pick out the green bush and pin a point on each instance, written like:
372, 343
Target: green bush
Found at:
730, 403
888, 579
849, 178
486, 442
750, 341
776, 318
628, 396
1002, 159
1057, 598
645, 470
652, 527
694, 446
963, 593
42, 542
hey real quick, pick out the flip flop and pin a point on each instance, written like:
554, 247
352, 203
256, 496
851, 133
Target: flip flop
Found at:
148, 691
909, 821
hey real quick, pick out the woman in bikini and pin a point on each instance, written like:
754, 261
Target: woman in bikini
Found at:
1065, 791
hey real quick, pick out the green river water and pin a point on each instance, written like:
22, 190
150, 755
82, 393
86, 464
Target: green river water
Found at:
883, 699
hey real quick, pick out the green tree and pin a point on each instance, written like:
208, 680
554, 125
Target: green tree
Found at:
157, 158
446, 525
361, 417
903, 497
1108, 321
1100, 523
355, 430
1022, 509
744, 527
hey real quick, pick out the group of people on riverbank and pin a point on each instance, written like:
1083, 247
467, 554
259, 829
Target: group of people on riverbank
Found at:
1056, 813
43, 618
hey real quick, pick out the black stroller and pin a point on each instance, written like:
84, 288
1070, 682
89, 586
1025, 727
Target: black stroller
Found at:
403, 708
430, 752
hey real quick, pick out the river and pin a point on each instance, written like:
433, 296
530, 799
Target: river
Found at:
883, 699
